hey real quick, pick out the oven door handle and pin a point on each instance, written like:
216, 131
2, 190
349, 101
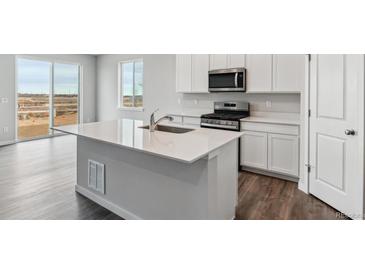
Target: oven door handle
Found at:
236, 80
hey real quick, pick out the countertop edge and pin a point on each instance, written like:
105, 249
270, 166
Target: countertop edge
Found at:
270, 121
193, 160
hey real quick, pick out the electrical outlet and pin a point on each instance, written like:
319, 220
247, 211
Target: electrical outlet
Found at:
196, 102
268, 104
5, 129
178, 101
4, 100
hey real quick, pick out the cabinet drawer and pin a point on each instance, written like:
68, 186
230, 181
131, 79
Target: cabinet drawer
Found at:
191, 120
177, 119
270, 128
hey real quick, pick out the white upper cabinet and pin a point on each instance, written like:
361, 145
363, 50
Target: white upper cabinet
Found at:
183, 72
199, 74
224, 61
192, 73
275, 73
288, 72
236, 60
259, 72
279, 73
218, 61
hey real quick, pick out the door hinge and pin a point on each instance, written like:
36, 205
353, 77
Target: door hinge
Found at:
309, 113
310, 57
308, 168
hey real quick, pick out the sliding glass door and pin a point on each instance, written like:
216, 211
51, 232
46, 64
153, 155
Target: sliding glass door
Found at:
66, 94
47, 95
33, 93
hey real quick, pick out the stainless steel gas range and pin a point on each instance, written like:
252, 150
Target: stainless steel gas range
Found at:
226, 116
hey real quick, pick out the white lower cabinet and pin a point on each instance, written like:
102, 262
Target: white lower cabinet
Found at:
283, 154
191, 120
185, 120
270, 148
254, 149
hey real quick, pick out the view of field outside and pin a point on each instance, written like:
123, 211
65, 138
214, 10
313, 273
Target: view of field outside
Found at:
34, 90
132, 84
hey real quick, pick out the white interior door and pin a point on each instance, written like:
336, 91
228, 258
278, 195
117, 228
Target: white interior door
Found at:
336, 152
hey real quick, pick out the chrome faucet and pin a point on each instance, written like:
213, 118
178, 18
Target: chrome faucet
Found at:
153, 124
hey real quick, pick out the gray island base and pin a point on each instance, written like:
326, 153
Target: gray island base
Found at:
144, 186
139, 174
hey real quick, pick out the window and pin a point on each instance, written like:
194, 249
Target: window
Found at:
131, 84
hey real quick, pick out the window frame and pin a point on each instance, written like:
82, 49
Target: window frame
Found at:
120, 83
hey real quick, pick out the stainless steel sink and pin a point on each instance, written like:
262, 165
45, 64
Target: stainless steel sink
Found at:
170, 129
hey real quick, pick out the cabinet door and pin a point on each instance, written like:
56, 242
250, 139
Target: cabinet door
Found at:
289, 72
236, 60
254, 149
218, 61
183, 72
283, 154
259, 72
200, 68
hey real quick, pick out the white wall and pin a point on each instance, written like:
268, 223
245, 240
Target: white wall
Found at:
159, 81
7, 88
159, 91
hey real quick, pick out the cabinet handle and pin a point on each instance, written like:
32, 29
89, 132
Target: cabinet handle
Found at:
350, 132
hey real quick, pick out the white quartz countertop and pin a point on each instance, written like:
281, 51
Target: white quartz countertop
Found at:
270, 120
185, 147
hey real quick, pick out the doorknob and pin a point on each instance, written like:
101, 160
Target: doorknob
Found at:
350, 132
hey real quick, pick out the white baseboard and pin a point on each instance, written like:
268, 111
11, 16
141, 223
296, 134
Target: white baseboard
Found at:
271, 174
301, 187
125, 214
5, 143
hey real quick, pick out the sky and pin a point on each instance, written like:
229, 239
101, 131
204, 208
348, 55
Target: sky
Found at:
34, 77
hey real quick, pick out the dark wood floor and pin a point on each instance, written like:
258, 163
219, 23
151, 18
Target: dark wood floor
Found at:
37, 180
266, 198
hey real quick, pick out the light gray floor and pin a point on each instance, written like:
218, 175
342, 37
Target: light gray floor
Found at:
37, 180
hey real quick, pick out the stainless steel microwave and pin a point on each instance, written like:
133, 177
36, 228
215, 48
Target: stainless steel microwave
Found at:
227, 80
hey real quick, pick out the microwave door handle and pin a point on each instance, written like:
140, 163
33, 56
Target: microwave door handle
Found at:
236, 80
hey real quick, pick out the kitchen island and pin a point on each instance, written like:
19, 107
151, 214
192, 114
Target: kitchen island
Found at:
139, 174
